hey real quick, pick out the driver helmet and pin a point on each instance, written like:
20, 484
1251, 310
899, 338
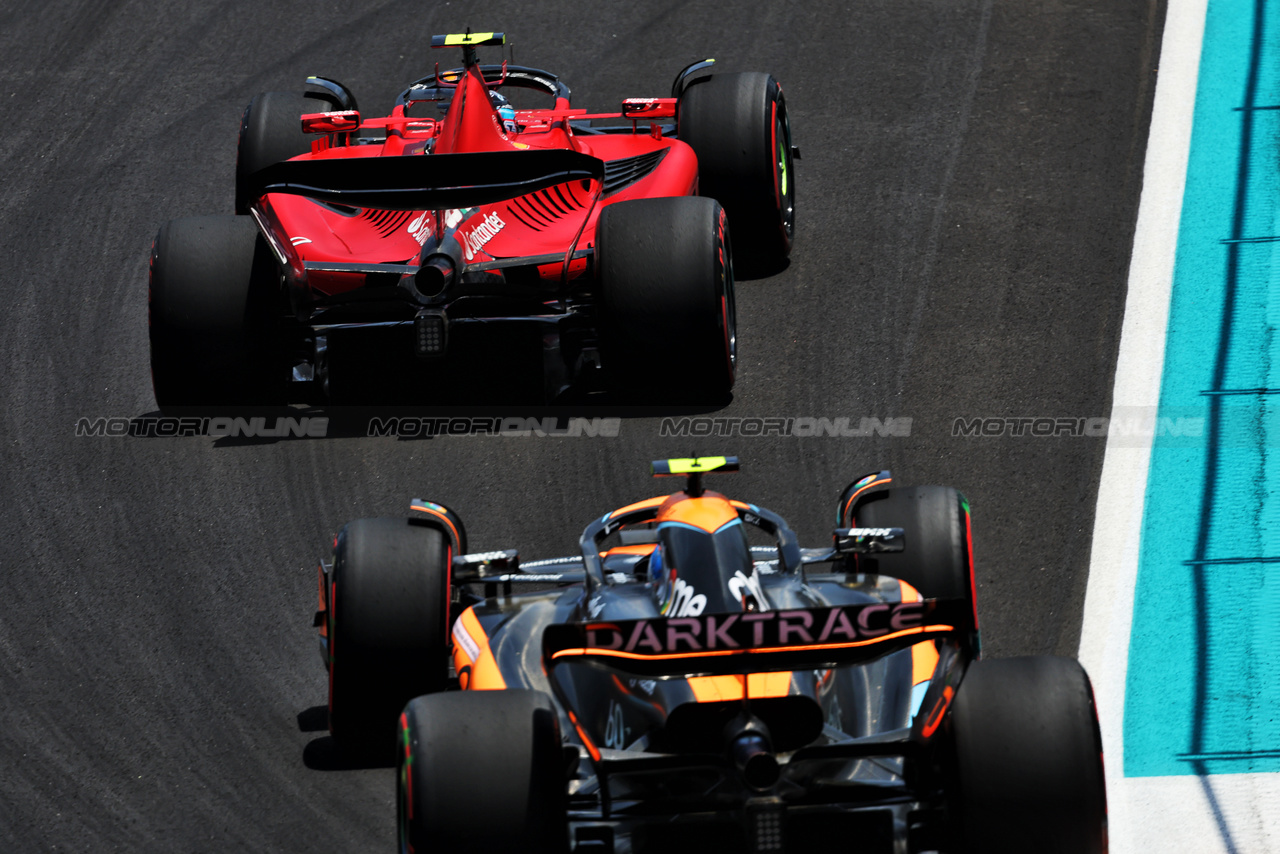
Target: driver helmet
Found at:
506, 112
656, 565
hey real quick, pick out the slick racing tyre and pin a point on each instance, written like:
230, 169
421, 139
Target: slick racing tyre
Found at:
935, 560
214, 312
271, 131
737, 125
481, 771
666, 304
388, 626
1028, 759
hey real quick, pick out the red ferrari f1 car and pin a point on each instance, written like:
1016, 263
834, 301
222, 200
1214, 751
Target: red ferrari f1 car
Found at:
369, 254
680, 689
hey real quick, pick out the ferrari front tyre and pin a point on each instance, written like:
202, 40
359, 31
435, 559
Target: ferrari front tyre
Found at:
737, 124
666, 304
1028, 759
481, 771
214, 309
271, 131
388, 625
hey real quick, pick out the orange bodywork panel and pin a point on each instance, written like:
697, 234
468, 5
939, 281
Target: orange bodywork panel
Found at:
713, 689
644, 549
924, 660
640, 505
709, 511
472, 659
924, 656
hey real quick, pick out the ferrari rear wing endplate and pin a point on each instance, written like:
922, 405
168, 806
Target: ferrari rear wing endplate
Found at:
426, 182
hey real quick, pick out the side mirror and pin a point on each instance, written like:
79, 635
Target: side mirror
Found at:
649, 108
868, 541
336, 122
474, 567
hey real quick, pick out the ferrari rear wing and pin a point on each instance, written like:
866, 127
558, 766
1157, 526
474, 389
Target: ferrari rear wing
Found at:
426, 181
760, 641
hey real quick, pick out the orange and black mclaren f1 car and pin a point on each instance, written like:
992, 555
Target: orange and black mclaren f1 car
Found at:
485, 222
679, 688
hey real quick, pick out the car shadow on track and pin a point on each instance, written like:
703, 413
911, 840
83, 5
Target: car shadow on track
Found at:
747, 273
324, 754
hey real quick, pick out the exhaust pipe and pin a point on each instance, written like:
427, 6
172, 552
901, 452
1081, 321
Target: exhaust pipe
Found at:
434, 276
751, 751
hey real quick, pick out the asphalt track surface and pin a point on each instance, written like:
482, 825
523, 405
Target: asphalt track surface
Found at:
966, 201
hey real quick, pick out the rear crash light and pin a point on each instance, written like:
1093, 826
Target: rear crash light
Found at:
764, 827
430, 333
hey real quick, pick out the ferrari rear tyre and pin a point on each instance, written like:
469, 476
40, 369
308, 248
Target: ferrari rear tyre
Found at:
388, 625
666, 301
271, 131
214, 309
1028, 758
737, 125
481, 771
934, 520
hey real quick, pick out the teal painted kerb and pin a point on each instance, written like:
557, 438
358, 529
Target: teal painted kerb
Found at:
1203, 685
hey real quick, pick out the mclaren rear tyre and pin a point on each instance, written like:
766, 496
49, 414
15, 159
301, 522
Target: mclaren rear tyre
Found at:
737, 125
666, 303
934, 519
1028, 759
214, 309
481, 771
388, 626
271, 131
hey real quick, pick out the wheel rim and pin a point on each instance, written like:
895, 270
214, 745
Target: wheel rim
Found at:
731, 321
404, 789
783, 165
728, 306
333, 596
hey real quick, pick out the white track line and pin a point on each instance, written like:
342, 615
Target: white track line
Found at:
1225, 813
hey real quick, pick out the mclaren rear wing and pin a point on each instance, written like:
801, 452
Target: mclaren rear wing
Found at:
427, 181
761, 641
